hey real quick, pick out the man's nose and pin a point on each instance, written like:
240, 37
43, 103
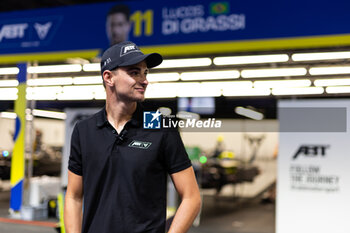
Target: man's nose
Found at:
144, 80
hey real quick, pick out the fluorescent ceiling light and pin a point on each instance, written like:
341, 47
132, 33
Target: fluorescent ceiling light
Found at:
278, 72
171, 90
206, 75
50, 81
249, 113
43, 93
8, 83
161, 77
8, 71
49, 114
100, 95
229, 84
188, 62
329, 70
238, 60
75, 96
246, 92
165, 111
8, 93
298, 91
196, 90
338, 90
320, 56
282, 83
92, 67
8, 115
85, 88
332, 82
54, 69
79, 92
88, 80
160, 90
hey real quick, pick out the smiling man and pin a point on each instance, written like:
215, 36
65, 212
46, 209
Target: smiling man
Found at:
117, 169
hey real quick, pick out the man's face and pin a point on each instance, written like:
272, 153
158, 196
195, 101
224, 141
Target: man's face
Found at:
117, 28
130, 82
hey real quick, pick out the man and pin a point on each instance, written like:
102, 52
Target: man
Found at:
120, 169
118, 24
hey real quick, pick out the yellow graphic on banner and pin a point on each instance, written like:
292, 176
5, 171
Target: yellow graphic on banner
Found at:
48, 56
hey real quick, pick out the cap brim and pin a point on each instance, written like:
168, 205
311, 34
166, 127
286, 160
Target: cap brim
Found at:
152, 60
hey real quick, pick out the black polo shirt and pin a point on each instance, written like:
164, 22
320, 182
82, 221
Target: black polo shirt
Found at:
125, 175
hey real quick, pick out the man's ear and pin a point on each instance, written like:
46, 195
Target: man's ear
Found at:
107, 78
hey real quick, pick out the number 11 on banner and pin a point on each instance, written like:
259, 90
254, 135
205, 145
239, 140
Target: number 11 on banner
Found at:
138, 18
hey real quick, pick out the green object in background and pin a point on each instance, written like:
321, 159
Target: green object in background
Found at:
203, 159
218, 8
193, 153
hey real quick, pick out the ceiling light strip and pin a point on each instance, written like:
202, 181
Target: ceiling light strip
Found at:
241, 60
338, 90
249, 113
49, 114
87, 80
208, 75
54, 69
246, 92
320, 56
282, 83
332, 82
50, 81
8, 83
298, 91
92, 67
9, 70
163, 77
188, 62
278, 72
329, 70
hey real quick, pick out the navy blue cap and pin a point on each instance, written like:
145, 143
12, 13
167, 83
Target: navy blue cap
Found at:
125, 54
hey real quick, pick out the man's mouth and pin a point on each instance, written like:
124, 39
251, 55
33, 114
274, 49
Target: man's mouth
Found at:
140, 89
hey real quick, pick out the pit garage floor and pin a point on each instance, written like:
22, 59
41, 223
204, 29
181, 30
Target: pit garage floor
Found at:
219, 215
231, 216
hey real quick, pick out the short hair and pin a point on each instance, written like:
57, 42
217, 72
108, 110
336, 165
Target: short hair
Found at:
124, 9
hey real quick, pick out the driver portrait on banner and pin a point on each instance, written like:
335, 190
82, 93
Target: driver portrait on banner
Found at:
118, 24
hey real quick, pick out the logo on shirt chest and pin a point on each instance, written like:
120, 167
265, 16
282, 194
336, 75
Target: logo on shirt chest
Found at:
139, 144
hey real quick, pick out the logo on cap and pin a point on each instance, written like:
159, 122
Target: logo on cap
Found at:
128, 49
107, 61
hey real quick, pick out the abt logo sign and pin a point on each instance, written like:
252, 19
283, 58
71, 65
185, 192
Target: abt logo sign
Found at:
311, 151
13, 31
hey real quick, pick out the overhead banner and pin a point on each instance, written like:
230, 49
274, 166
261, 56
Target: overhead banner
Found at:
313, 186
176, 27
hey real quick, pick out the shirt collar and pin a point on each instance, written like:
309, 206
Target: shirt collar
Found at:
135, 120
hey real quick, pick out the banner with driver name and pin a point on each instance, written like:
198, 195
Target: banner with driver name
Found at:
176, 27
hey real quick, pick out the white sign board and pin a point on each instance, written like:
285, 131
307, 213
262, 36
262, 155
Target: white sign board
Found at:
313, 180
73, 116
